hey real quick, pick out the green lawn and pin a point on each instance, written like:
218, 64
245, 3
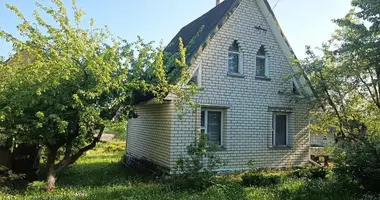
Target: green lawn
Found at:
99, 175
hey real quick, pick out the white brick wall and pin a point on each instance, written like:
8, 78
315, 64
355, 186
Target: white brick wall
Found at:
158, 135
148, 136
247, 123
322, 140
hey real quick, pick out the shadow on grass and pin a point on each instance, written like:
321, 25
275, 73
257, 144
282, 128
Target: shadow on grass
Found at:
99, 174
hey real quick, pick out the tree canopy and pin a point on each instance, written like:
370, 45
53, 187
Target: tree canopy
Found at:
66, 83
346, 77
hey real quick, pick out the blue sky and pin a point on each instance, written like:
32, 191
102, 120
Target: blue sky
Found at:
305, 22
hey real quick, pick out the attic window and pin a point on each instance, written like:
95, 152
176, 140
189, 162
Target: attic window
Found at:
196, 79
295, 90
197, 75
235, 59
262, 67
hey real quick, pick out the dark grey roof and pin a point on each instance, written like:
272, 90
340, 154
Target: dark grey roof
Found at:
196, 34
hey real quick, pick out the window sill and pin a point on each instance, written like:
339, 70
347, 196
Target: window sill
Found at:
237, 75
222, 148
281, 147
263, 78
217, 148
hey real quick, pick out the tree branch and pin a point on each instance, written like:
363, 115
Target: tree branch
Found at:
72, 159
375, 99
332, 104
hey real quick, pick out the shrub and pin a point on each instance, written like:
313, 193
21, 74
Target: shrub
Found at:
310, 173
8, 175
114, 147
260, 179
118, 129
197, 170
359, 162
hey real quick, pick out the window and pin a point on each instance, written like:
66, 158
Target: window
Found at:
234, 59
280, 129
295, 90
196, 78
262, 68
211, 124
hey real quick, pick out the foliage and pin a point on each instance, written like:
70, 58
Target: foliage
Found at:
98, 176
345, 78
37, 186
260, 179
114, 147
310, 173
7, 175
358, 162
66, 84
118, 129
197, 170
346, 101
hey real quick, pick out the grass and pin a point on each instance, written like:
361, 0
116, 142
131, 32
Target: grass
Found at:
98, 175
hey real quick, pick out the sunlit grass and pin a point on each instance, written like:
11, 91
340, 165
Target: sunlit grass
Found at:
99, 175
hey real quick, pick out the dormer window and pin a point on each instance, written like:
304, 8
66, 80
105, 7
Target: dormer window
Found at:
262, 67
235, 59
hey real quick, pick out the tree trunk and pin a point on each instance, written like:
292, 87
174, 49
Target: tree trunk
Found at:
52, 171
51, 180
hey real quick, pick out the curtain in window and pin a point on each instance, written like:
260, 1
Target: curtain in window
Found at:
214, 127
233, 62
281, 129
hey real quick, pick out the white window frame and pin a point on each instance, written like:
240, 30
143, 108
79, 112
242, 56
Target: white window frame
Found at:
266, 67
199, 77
206, 110
240, 63
274, 128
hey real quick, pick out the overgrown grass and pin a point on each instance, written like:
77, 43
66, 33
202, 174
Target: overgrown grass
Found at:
98, 175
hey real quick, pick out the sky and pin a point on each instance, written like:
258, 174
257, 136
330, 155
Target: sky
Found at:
304, 22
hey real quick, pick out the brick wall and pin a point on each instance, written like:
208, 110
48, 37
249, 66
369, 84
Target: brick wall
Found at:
247, 132
148, 136
322, 140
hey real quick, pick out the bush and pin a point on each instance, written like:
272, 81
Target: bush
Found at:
260, 179
7, 175
197, 171
109, 148
359, 162
310, 173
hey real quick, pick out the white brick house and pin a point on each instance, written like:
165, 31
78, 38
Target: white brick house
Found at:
240, 58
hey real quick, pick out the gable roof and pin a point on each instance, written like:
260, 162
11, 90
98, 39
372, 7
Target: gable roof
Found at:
196, 34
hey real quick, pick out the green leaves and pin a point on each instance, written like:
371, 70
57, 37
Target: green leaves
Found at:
65, 83
346, 78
